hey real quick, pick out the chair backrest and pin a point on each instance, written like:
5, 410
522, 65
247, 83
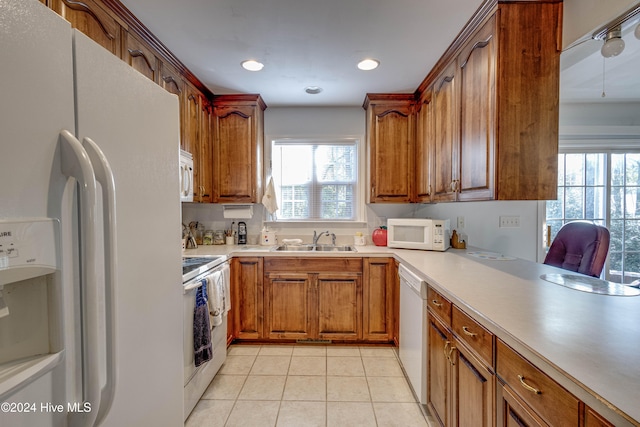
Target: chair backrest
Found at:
581, 247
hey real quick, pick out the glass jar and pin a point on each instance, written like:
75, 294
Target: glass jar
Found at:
208, 238
218, 237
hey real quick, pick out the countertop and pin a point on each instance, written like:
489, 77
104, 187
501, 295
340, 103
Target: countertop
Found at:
589, 343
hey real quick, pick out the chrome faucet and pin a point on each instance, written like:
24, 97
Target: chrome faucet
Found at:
317, 236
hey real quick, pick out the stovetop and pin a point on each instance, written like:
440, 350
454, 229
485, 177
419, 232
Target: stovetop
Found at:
193, 266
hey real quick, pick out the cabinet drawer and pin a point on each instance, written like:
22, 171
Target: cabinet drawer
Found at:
547, 398
473, 334
439, 305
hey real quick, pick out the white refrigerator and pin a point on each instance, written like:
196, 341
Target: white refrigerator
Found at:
90, 223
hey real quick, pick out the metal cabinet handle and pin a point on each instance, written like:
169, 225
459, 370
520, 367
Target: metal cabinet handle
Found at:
527, 386
436, 303
468, 332
444, 350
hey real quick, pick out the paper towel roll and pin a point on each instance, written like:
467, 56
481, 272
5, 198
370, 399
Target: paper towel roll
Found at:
237, 211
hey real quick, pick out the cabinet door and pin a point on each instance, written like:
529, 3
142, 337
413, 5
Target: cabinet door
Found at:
424, 142
477, 76
379, 299
514, 413
473, 387
205, 149
445, 136
439, 371
247, 297
141, 57
92, 20
237, 153
192, 131
172, 82
339, 299
390, 132
290, 305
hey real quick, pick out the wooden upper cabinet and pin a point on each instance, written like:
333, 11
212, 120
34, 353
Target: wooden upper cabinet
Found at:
238, 127
477, 77
424, 148
528, 88
141, 57
390, 147
91, 19
172, 82
191, 124
445, 135
205, 152
495, 97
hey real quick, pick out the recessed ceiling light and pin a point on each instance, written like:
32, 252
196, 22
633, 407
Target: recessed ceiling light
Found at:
252, 65
368, 64
313, 90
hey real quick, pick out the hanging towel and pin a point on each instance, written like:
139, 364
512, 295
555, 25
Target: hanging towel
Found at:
226, 280
202, 349
215, 287
269, 199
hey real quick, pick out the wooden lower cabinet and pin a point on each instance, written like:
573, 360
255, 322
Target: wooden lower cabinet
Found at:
247, 297
461, 386
310, 298
438, 368
380, 276
313, 305
473, 389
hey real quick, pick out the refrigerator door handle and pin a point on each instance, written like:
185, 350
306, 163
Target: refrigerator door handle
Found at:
104, 176
75, 164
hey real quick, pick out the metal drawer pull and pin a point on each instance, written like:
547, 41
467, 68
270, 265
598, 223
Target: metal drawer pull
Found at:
446, 346
468, 332
436, 303
527, 386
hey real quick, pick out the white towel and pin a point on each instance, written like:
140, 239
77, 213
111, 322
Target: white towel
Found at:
269, 199
215, 288
226, 276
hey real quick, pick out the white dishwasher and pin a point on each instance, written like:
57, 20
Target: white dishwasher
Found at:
413, 331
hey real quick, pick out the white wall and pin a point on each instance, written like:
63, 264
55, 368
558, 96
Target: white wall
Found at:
481, 225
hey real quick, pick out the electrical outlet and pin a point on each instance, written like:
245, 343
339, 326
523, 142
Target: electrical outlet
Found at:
460, 222
509, 221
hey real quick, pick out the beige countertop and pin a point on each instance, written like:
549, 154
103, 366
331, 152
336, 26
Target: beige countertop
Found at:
589, 343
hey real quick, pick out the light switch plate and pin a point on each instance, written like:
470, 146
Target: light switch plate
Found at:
509, 221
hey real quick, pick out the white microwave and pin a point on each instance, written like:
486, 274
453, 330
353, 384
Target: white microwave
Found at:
419, 233
186, 176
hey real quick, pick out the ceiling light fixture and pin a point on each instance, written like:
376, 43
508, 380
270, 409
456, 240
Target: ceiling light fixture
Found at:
611, 33
368, 64
613, 44
252, 65
313, 90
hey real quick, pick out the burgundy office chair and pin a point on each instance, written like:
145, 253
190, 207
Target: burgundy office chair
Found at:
580, 246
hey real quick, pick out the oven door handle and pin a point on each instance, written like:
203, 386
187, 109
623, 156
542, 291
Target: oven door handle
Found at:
192, 286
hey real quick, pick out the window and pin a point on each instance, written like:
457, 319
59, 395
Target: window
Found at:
316, 180
605, 188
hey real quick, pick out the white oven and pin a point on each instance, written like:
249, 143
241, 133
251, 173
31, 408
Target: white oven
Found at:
186, 176
195, 271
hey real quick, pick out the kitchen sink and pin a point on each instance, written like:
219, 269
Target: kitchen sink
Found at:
316, 248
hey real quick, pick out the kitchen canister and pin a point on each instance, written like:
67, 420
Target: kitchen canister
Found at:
358, 239
208, 237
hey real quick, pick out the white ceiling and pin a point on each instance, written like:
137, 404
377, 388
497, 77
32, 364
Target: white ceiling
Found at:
318, 43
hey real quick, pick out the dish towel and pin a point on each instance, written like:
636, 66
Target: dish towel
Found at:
202, 349
215, 287
269, 199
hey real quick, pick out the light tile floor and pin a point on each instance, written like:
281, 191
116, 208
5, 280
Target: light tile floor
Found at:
308, 385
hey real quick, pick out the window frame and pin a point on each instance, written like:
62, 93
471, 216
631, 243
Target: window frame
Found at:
609, 141
359, 184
